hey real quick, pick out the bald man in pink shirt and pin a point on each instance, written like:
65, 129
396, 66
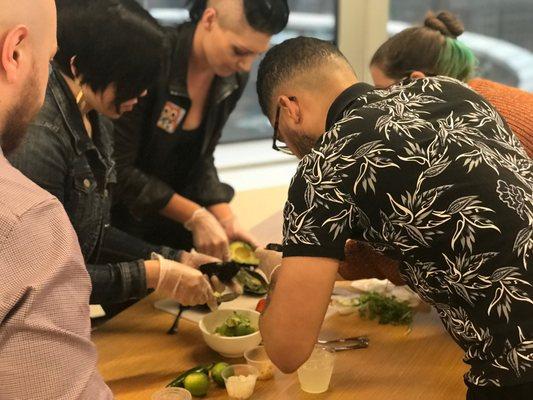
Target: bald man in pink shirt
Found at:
45, 346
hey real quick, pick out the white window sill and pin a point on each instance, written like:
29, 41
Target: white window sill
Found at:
253, 165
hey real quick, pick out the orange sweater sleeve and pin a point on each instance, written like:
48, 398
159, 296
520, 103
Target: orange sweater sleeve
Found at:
514, 105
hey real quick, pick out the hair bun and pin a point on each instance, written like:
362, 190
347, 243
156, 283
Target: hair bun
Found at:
446, 23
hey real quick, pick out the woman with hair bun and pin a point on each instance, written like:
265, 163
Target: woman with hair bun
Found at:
433, 49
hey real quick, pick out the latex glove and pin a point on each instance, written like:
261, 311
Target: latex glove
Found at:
235, 232
269, 260
208, 235
195, 260
184, 284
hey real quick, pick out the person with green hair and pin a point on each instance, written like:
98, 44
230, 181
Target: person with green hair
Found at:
428, 50
434, 49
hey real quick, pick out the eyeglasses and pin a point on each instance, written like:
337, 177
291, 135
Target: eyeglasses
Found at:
277, 144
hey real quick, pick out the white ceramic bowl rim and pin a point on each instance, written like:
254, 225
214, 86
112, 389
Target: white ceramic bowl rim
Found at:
204, 329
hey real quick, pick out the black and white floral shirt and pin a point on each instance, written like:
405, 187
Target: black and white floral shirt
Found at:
428, 173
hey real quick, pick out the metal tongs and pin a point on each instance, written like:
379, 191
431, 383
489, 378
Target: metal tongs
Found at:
351, 343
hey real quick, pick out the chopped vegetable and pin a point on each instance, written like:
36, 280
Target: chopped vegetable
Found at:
388, 310
236, 325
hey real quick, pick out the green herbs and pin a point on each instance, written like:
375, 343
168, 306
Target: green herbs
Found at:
236, 325
388, 310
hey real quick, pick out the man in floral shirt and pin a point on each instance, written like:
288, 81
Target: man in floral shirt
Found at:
426, 172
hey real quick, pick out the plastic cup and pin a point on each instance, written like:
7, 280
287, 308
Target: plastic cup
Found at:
258, 358
240, 380
172, 393
315, 374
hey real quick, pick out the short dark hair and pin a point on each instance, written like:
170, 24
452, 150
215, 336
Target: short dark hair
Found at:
114, 42
432, 48
289, 58
266, 16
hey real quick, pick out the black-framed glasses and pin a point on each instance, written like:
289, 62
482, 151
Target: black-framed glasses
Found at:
277, 144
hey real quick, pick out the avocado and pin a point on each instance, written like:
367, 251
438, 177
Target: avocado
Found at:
252, 282
243, 253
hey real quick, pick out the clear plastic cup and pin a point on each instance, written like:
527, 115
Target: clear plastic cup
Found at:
315, 374
172, 393
240, 380
258, 357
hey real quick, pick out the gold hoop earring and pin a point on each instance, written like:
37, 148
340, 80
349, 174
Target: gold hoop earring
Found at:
79, 97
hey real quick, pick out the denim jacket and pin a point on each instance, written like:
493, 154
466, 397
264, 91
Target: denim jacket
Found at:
59, 156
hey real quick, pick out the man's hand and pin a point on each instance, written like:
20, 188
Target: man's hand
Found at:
269, 260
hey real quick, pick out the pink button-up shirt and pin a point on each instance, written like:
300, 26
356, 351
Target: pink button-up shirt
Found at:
45, 346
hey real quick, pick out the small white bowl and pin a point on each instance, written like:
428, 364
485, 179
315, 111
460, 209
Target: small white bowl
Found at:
258, 358
230, 347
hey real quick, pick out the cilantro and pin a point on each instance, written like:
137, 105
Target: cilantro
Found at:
387, 309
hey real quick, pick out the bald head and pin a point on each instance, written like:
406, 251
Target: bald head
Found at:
27, 43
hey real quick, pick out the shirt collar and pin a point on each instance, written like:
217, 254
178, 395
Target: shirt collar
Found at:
70, 112
344, 100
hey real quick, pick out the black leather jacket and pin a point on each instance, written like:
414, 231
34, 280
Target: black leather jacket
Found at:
144, 184
59, 156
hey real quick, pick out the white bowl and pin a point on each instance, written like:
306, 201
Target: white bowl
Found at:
230, 347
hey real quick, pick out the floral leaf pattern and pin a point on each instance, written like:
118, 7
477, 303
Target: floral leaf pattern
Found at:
430, 172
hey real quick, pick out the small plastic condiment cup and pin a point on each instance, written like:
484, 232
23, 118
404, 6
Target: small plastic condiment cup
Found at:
172, 393
258, 358
315, 374
240, 380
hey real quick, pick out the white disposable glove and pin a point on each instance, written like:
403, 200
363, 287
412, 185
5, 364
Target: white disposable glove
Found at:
269, 260
184, 284
235, 232
195, 260
208, 235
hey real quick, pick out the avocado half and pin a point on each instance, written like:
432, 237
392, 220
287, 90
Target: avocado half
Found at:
243, 253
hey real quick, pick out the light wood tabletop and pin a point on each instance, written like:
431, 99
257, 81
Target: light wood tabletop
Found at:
137, 357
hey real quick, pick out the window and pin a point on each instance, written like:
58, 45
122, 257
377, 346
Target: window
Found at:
500, 32
308, 17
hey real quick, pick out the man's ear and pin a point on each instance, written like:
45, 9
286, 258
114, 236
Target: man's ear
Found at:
292, 108
209, 18
12, 51
417, 75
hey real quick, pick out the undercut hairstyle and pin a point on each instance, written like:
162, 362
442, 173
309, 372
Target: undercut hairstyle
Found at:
265, 16
432, 49
294, 58
113, 42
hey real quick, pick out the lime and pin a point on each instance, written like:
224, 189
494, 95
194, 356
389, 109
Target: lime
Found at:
197, 383
216, 372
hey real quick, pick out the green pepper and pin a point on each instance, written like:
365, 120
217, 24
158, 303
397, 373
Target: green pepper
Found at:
178, 382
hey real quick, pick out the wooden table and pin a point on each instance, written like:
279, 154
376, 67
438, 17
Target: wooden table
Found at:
137, 357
